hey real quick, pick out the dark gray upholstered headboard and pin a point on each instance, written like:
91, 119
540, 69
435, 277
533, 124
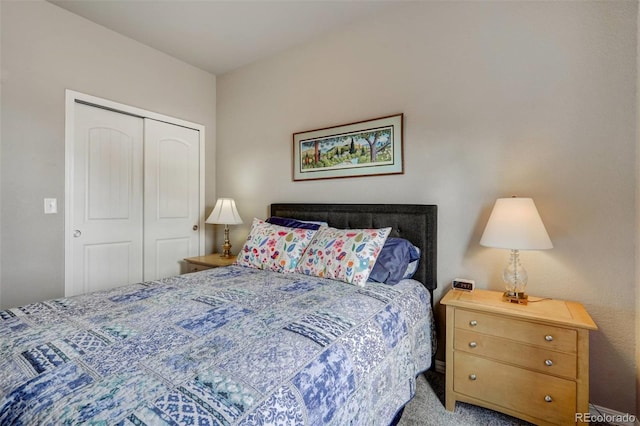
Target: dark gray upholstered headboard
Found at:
414, 222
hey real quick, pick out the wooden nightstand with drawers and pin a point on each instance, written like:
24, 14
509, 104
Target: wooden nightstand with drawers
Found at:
528, 361
202, 263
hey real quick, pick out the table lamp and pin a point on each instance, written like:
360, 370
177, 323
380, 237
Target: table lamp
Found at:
225, 213
515, 224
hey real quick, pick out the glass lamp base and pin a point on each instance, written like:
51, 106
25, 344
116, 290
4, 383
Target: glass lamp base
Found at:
520, 298
515, 278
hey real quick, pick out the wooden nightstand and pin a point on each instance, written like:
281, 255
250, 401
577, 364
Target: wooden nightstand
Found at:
201, 263
528, 361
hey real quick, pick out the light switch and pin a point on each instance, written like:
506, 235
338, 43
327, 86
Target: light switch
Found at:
50, 205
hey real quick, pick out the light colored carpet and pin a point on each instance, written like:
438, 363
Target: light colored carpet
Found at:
427, 408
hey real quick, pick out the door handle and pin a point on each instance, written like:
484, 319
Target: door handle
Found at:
77, 233
195, 227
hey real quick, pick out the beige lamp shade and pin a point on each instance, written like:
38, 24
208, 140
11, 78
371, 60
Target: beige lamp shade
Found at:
224, 213
515, 224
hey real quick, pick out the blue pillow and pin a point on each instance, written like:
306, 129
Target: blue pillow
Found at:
412, 268
293, 223
393, 262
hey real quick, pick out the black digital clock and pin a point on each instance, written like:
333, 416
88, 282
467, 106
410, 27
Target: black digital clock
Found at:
463, 284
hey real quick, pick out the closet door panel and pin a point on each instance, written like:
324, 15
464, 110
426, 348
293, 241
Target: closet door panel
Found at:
168, 251
107, 210
172, 171
171, 197
107, 264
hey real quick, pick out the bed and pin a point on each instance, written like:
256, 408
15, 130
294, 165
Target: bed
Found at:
230, 346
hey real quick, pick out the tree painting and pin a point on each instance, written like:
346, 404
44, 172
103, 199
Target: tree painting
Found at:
358, 149
364, 148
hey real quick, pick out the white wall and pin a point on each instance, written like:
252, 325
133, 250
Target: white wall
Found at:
528, 98
45, 50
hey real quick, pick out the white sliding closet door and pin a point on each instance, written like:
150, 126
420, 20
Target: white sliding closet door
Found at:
171, 197
107, 211
134, 195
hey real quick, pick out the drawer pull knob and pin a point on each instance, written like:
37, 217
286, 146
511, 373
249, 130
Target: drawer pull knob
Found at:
473, 323
472, 377
472, 344
548, 363
548, 398
548, 338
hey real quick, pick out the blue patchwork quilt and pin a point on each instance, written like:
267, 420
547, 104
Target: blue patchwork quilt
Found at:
227, 346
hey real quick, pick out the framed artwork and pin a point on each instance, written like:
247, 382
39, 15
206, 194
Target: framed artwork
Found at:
364, 148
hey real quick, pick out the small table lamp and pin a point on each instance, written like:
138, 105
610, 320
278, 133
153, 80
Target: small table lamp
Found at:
225, 213
515, 224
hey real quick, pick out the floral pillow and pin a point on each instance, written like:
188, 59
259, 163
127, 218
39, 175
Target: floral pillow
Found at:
343, 254
273, 247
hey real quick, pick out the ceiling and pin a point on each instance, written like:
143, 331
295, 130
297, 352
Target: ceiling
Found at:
219, 36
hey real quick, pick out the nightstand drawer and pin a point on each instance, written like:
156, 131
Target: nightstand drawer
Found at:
202, 263
547, 336
533, 394
532, 357
191, 267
